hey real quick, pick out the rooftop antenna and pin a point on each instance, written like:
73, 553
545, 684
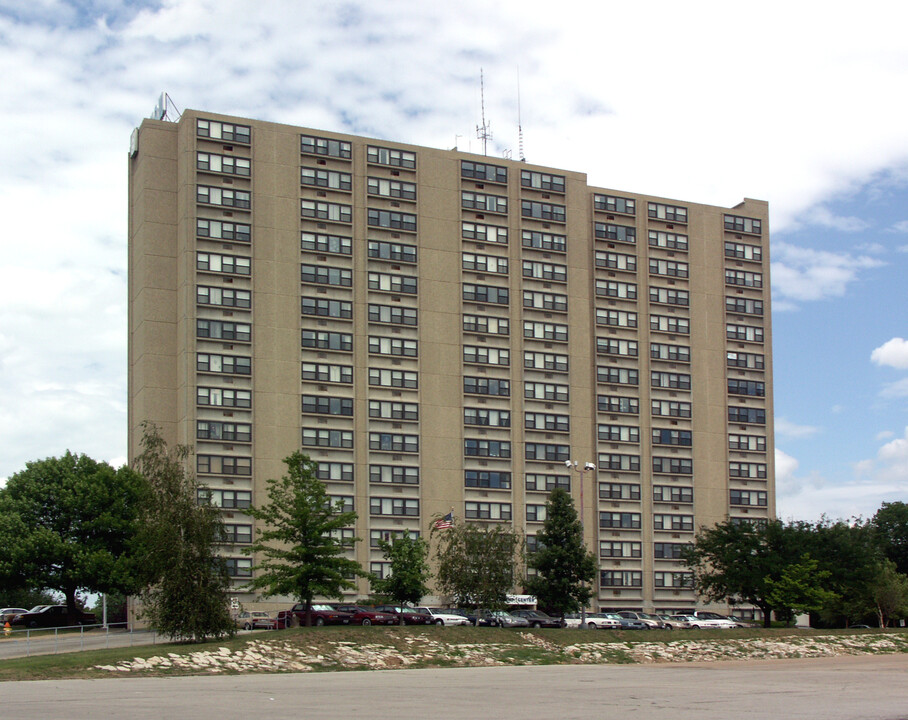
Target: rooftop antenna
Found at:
162, 109
519, 123
482, 131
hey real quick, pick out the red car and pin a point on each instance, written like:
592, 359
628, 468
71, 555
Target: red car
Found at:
365, 616
410, 616
321, 615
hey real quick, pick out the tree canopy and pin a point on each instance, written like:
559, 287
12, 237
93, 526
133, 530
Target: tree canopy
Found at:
891, 526
407, 581
563, 564
302, 543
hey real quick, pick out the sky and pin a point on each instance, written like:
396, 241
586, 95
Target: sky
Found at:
704, 102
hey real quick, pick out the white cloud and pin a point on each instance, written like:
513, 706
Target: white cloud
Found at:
787, 429
900, 227
884, 435
801, 274
892, 353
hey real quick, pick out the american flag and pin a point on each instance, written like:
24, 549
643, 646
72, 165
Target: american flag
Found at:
443, 523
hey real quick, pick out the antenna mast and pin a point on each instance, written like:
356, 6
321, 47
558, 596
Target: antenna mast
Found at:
482, 131
519, 123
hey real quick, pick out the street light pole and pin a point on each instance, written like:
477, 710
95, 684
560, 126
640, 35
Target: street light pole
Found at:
575, 466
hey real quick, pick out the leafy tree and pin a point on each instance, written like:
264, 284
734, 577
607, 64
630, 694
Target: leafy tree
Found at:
889, 592
27, 598
799, 588
186, 582
890, 524
304, 552
562, 562
407, 581
477, 565
67, 524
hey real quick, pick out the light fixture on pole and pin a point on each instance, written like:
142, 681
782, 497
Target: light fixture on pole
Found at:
575, 466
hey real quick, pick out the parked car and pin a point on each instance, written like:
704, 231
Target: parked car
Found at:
594, 621
256, 620
8, 613
653, 622
52, 616
444, 616
409, 616
702, 623
539, 619
321, 615
707, 615
628, 623
368, 616
499, 618
677, 622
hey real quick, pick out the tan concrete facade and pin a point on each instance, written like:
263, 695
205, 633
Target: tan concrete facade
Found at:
443, 330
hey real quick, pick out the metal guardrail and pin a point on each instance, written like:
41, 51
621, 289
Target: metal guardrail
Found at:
65, 639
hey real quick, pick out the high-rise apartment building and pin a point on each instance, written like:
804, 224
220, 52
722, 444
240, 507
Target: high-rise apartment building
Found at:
442, 330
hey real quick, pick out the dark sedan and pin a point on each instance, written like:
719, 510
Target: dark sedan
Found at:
409, 616
538, 619
367, 616
322, 615
48, 616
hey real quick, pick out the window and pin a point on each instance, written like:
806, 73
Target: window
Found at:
669, 268
544, 271
748, 333
755, 416
620, 578
613, 289
224, 397
672, 353
546, 483
619, 491
331, 179
618, 461
616, 318
227, 164
542, 211
486, 386
677, 381
747, 470
238, 567
223, 230
743, 224
669, 213
615, 204
743, 252
670, 408
224, 297
673, 579
619, 549
393, 442
224, 431
392, 315
236, 534
344, 536
486, 325
391, 188
616, 261
222, 131
483, 172
333, 212
619, 520
484, 233
619, 433
547, 451
327, 340
394, 506
673, 522
618, 233
486, 448
673, 466
543, 241
545, 391
665, 436
611, 346
542, 181
223, 465
389, 282
669, 324
392, 251
394, 474
484, 263
221, 330
743, 278
326, 308
320, 242
227, 264
224, 197
487, 511
747, 497
535, 513
391, 220
483, 203
380, 569
325, 275
745, 306
544, 301
545, 361
486, 417
673, 494
617, 376
342, 472
344, 502
393, 410
487, 479
324, 405
322, 372
617, 404
486, 355
667, 240
669, 551
485, 294
393, 378
388, 156
669, 296
311, 145
545, 331
744, 360
746, 387
749, 443
314, 437
393, 346
547, 421
229, 499
227, 364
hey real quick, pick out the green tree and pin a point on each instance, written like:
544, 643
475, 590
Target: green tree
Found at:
304, 552
563, 564
68, 524
890, 524
26, 598
799, 588
407, 581
477, 565
185, 596
889, 592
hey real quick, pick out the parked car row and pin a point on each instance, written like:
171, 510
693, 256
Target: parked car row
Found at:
46, 616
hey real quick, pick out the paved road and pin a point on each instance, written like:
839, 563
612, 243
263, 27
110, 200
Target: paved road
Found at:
853, 688
22, 644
